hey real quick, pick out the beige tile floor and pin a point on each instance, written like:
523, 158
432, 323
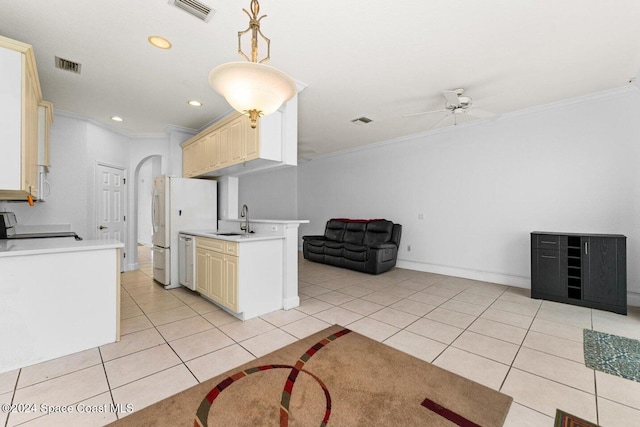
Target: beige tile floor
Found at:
493, 334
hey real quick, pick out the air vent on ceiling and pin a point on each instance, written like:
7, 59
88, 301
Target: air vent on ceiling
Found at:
361, 121
66, 65
197, 9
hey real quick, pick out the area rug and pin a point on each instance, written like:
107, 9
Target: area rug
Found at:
567, 420
335, 377
612, 354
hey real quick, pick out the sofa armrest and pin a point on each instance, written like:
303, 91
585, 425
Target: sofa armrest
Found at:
386, 245
314, 238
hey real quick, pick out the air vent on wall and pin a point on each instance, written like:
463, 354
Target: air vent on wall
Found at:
197, 9
361, 121
65, 64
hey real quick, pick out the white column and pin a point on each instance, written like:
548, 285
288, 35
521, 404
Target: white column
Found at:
290, 298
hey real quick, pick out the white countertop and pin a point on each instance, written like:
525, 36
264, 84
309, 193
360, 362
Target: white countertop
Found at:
268, 221
19, 247
212, 234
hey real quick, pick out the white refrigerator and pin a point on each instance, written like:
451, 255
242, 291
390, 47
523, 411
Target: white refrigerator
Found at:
179, 204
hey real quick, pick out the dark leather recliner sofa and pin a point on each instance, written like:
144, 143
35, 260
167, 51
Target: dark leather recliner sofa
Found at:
367, 245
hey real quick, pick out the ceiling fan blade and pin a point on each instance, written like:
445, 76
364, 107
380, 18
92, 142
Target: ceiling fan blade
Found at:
451, 97
424, 112
439, 121
481, 114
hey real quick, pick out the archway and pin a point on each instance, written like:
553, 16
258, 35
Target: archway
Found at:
146, 170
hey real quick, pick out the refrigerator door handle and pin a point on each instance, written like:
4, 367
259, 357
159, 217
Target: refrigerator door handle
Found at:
154, 214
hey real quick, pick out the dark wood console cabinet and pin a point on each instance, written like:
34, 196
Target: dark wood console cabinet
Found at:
581, 269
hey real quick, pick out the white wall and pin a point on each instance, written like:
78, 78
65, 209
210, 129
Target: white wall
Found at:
77, 145
483, 188
110, 148
69, 197
270, 194
145, 188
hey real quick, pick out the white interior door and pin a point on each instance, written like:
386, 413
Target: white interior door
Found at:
110, 205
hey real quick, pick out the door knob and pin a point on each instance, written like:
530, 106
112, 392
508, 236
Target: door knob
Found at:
102, 227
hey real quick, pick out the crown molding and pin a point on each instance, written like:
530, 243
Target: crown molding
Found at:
76, 116
175, 128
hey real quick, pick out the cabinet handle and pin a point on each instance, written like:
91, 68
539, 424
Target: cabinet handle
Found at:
586, 248
547, 242
547, 256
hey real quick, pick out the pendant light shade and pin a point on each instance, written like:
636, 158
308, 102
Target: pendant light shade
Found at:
251, 86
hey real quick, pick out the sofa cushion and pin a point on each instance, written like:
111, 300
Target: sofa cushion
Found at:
334, 230
335, 249
338, 261
355, 252
354, 233
317, 248
378, 232
316, 242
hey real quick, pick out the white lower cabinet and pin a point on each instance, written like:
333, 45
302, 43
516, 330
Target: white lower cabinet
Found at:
245, 278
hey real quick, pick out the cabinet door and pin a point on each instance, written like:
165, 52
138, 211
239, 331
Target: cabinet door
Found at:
236, 149
231, 282
201, 156
213, 151
202, 265
251, 140
548, 273
603, 282
223, 144
188, 161
216, 276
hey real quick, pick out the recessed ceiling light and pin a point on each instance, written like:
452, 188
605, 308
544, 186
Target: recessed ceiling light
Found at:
160, 42
194, 103
117, 118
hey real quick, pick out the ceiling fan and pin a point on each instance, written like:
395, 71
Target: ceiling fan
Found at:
456, 104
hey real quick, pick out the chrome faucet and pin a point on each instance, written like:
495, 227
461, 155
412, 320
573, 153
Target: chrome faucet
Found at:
244, 213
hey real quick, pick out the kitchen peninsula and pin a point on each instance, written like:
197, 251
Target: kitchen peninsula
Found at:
57, 296
249, 274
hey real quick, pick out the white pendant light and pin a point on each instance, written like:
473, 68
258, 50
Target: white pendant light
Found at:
251, 87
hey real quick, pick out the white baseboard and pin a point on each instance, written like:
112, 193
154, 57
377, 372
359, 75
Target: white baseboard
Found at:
633, 299
131, 266
500, 278
289, 303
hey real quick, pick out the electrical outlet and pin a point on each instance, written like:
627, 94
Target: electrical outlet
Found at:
420, 216
274, 228
408, 248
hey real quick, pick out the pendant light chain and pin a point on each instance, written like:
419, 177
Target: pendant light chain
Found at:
254, 27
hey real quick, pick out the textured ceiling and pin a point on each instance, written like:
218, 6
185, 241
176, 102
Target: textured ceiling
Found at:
358, 58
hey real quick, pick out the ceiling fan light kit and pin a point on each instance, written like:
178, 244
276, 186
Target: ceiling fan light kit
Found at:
251, 87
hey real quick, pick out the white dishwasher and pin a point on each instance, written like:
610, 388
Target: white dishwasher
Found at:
186, 264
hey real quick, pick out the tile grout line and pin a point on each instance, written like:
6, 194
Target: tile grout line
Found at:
520, 348
13, 396
104, 369
595, 380
183, 362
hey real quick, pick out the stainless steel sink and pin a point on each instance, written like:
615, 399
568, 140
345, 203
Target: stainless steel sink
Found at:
229, 234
